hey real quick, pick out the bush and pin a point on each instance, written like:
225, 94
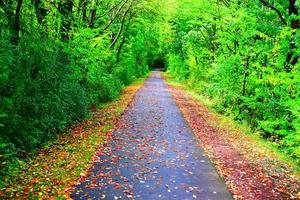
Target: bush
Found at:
45, 96
109, 88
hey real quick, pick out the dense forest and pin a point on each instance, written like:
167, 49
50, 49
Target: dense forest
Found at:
245, 56
61, 58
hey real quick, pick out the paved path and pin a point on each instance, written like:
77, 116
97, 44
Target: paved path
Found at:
152, 155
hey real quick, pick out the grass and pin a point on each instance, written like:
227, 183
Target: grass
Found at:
56, 168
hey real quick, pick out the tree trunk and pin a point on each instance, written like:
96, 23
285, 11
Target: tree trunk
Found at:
294, 11
84, 15
196, 60
292, 59
213, 40
40, 11
120, 49
246, 74
92, 18
82, 6
16, 25
65, 8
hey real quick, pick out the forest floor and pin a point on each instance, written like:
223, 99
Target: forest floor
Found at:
251, 168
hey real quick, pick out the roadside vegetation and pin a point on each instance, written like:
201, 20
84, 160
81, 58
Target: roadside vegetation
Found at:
251, 167
60, 59
244, 57
56, 168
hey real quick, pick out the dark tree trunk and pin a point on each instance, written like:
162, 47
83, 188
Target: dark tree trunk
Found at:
92, 18
196, 60
213, 39
82, 8
84, 16
40, 11
244, 83
246, 74
294, 11
119, 50
65, 8
16, 26
291, 58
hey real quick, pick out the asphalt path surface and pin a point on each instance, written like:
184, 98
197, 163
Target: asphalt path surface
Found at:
152, 154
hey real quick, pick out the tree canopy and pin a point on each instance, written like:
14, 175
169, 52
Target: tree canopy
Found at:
245, 56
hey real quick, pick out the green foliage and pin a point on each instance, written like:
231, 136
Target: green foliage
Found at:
59, 59
237, 53
45, 95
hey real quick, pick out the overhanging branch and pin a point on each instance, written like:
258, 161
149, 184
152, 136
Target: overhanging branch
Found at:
272, 7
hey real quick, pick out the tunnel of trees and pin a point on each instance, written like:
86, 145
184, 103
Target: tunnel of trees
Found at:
60, 57
158, 64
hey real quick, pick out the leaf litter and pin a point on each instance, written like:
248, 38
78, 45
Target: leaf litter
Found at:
250, 170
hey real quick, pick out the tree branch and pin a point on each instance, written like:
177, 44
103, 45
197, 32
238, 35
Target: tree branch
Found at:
112, 8
16, 25
267, 4
121, 26
115, 17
